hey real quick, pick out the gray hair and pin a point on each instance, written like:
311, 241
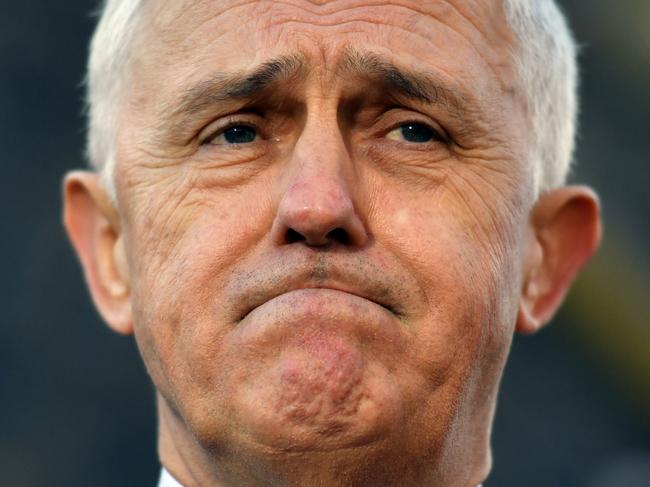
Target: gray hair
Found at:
546, 65
111, 50
545, 61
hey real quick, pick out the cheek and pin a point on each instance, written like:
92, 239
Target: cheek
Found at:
471, 288
461, 334
183, 256
182, 240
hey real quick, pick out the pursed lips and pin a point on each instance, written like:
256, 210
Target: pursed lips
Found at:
333, 286
358, 276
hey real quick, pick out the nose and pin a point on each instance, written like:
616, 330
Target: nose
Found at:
317, 208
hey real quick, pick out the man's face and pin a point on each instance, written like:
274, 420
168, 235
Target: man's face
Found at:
323, 208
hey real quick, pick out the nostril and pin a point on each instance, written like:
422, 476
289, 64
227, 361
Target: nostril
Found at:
293, 236
339, 235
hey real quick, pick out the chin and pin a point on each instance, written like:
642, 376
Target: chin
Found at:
320, 411
323, 396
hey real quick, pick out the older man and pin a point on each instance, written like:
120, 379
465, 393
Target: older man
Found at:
323, 221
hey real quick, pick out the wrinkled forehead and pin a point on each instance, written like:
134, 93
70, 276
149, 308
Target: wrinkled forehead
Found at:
186, 39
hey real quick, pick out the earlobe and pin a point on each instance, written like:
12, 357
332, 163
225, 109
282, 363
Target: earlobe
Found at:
565, 232
92, 224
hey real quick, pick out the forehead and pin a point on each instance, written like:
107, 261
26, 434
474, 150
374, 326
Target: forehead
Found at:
185, 40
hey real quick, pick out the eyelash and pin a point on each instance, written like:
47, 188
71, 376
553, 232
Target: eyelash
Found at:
230, 123
397, 115
439, 134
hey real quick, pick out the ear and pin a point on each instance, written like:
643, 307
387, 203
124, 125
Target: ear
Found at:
92, 224
564, 232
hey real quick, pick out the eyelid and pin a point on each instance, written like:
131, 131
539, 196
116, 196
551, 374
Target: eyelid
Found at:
396, 117
437, 130
219, 126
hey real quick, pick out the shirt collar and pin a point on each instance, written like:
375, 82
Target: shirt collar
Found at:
166, 480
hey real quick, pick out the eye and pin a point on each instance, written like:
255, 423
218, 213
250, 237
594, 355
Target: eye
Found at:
414, 132
235, 134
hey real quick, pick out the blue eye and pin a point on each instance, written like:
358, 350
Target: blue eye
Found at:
240, 134
236, 134
416, 133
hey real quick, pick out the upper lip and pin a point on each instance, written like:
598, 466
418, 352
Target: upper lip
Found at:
264, 285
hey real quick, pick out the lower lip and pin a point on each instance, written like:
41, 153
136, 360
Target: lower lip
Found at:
305, 312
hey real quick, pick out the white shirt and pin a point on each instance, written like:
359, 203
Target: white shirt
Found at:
166, 480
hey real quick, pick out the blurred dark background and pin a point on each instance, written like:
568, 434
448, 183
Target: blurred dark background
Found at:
76, 407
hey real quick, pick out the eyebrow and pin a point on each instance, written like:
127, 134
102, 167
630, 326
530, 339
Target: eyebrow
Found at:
239, 86
420, 86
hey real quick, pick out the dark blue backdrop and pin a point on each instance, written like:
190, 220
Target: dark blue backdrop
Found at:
76, 407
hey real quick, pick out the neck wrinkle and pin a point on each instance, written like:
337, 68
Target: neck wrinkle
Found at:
172, 443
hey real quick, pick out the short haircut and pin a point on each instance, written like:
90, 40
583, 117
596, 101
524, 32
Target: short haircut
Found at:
544, 58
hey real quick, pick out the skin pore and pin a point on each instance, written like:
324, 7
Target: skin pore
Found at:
325, 237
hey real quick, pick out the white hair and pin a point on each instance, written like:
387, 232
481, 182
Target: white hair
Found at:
545, 60
111, 50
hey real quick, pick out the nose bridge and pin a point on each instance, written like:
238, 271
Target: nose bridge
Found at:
317, 206
320, 167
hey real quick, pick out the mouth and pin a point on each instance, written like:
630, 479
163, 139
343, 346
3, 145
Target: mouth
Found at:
283, 311
261, 300
324, 281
